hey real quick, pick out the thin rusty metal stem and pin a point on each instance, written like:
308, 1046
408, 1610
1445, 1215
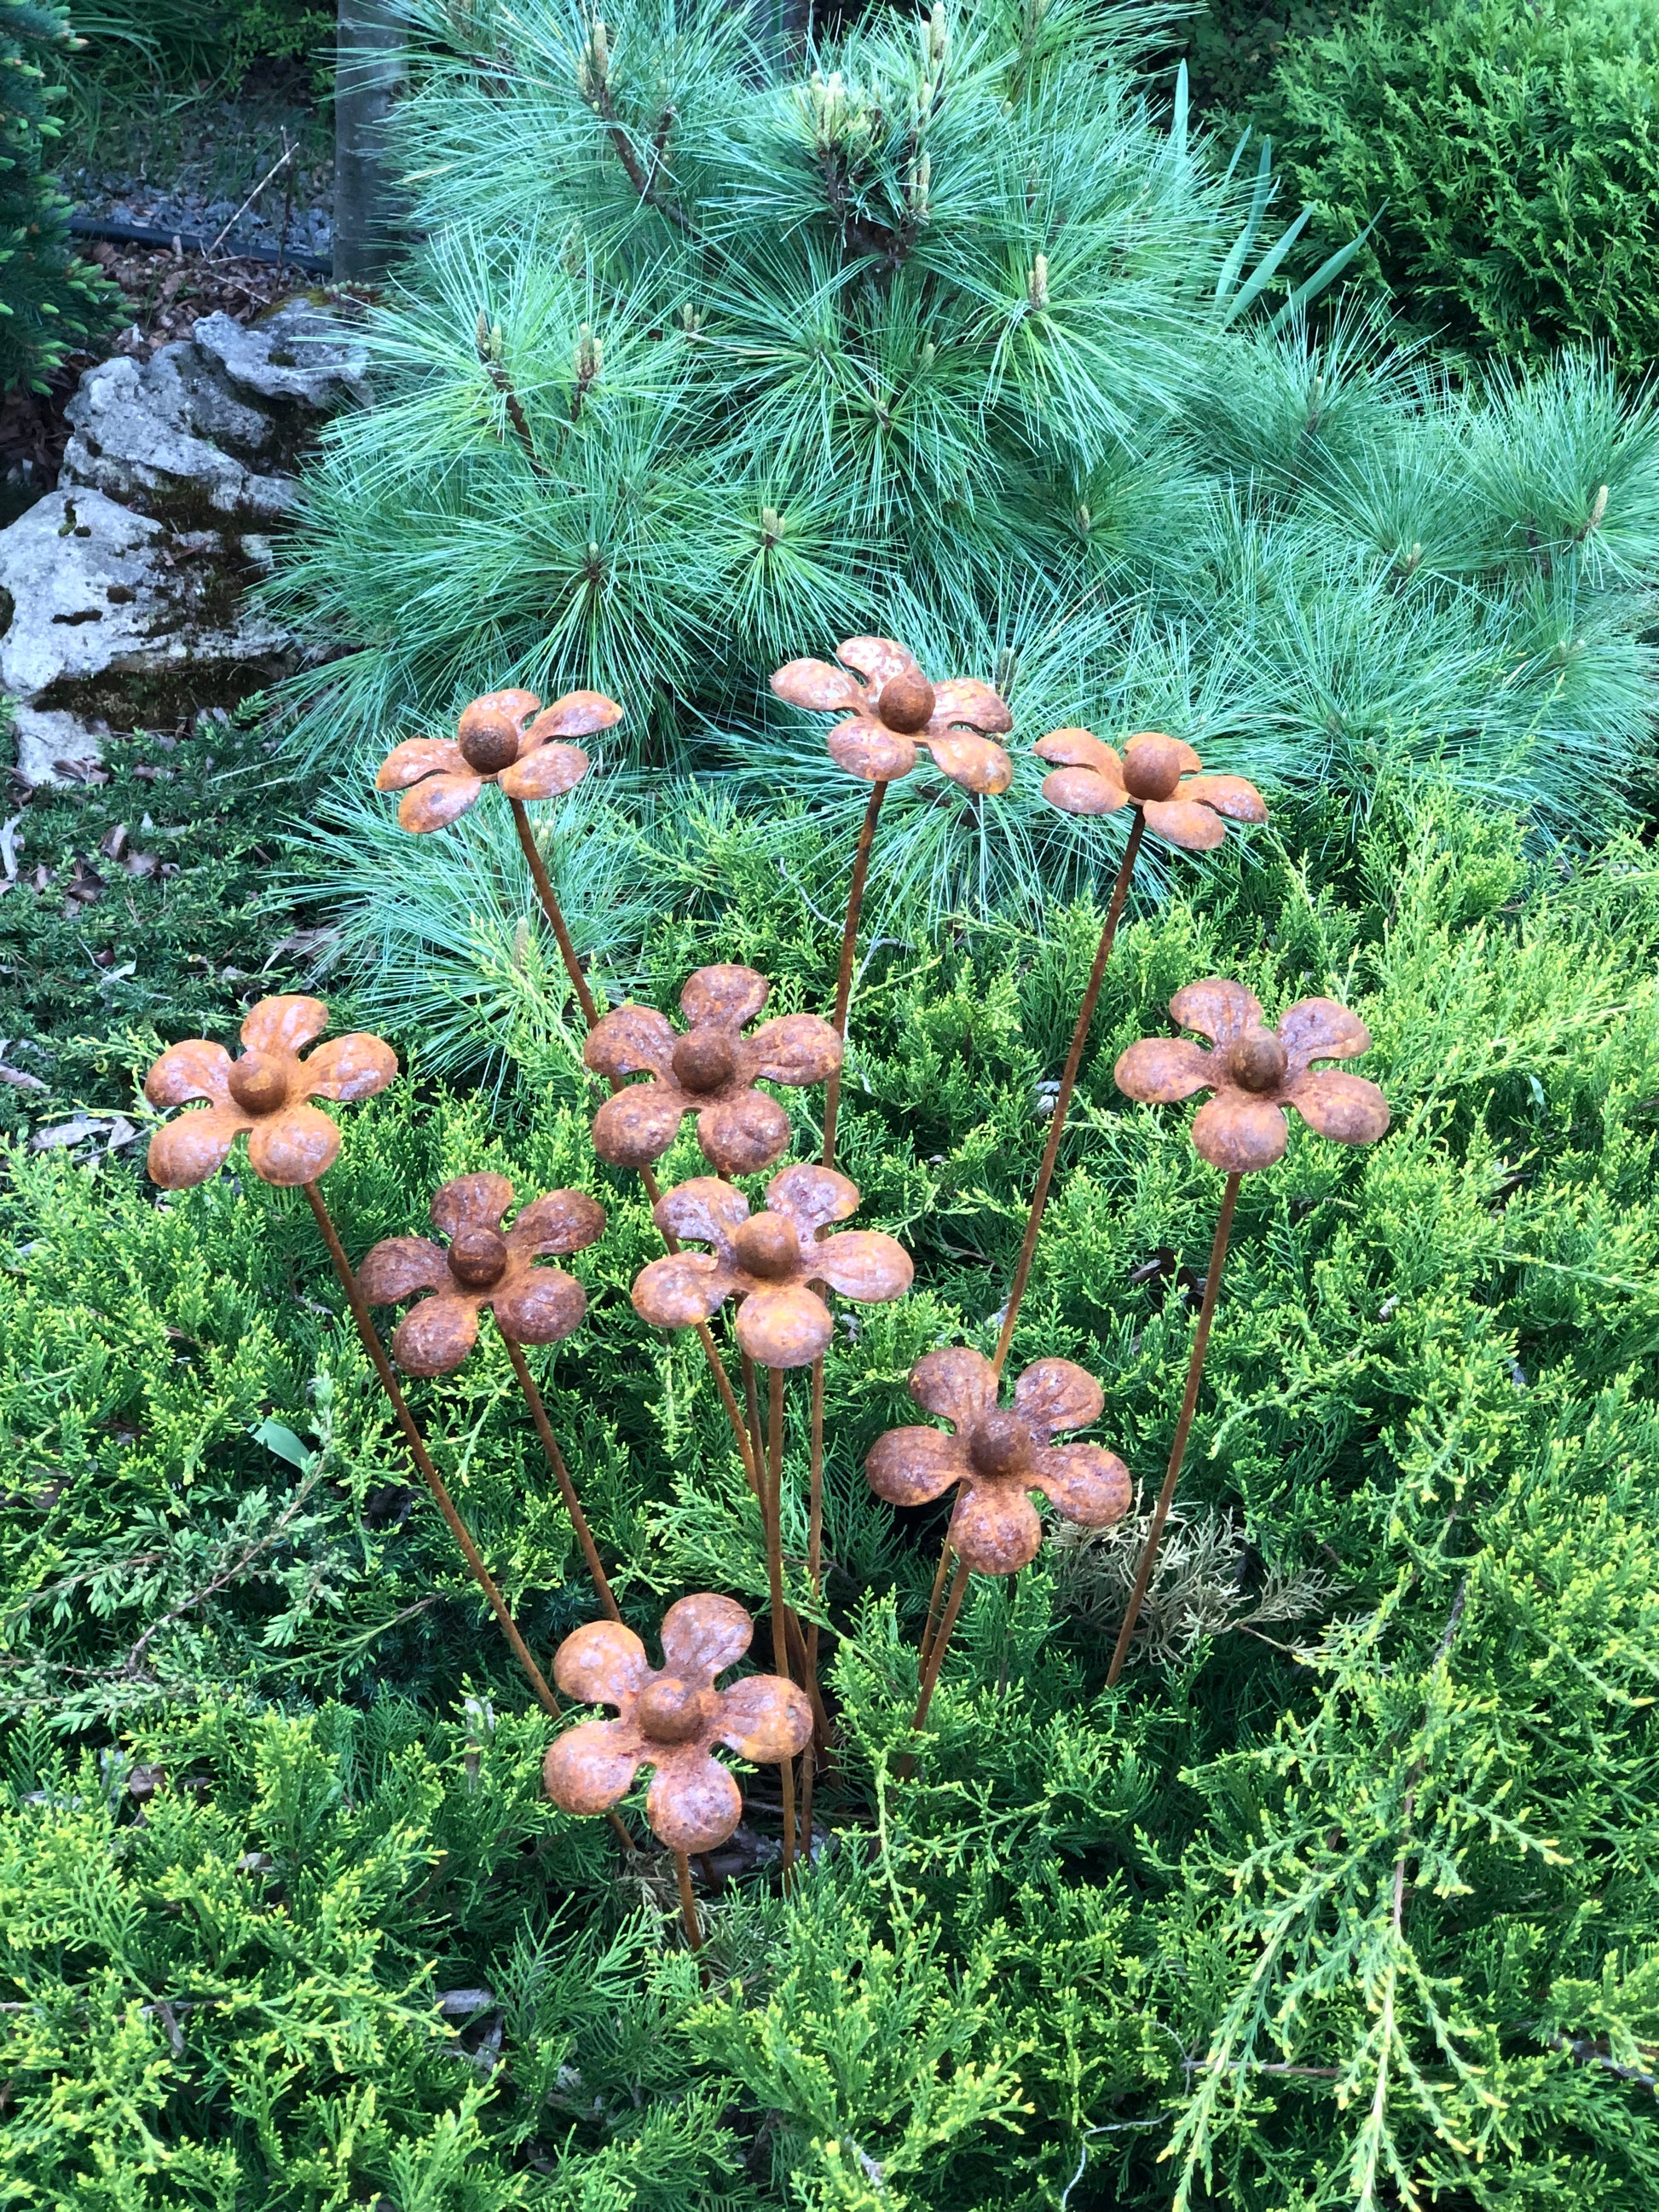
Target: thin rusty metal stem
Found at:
774, 1579
1183, 1429
622, 1836
815, 1578
550, 907
688, 1903
930, 1626
419, 1453
562, 1474
704, 1337
907, 1765
1085, 1015
756, 1439
849, 938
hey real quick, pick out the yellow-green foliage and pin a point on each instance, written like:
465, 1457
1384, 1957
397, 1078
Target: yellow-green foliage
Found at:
1354, 1904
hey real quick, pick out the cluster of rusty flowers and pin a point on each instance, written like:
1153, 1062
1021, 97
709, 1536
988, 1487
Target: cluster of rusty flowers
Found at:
767, 1266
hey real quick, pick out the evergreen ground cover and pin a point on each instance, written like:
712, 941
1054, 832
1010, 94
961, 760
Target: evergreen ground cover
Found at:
1358, 1890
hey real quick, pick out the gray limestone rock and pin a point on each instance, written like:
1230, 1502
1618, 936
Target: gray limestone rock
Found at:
299, 356
170, 434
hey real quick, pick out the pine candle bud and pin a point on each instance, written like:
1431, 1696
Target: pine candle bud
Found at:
771, 524
938, 39
1037, 289
589, 356
1597, 513
483, 340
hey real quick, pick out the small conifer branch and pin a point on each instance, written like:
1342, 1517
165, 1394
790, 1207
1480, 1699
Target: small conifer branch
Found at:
226, 1575
533, 1398
489, 349
1067, 1083
593, 82
419, 1453
1184, 1430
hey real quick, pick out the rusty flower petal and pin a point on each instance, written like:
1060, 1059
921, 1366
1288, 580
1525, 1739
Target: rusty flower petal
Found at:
1239, 1133
470, 1201
637, 1125
704, 1209
815, 683
972, 762
188, 1150
740, 1135
1158, 1071
702, 1636
577, 715
693, 1805
956, 1382
1344, 1107
1218, 1009
601, 1663
548, 773
1180, 822
418, 757
398, 1266
681, 1288
592, 1768
878, 659
439, 801
543, 1309
1083, 749
797, 1049
292, 1147
996, 1528
1058, 1394
780, 1325
1227, 794
348, 1068
765, 1718
562, 1221
512, 706
865, 1264
1081, 791
812, 1196
1085, 1483
287, 1022
194, 1069
910, 1466
437, 1335
630, 1040
1320, 1029
867, 748
964, 699
724, 994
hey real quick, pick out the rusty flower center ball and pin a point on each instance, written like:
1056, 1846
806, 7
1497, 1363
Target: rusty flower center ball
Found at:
704, 1059
1256, 1062
906, 703
1151, 766
768, 1247
670, 1712
489, 742
477, 1257
258, 1085
1002, 1445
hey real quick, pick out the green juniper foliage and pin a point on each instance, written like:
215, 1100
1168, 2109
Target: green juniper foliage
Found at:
715, 354
1353, 1907
1499, 156
50, 303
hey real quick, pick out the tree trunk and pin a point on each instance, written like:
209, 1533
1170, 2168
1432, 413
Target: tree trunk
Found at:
370, 74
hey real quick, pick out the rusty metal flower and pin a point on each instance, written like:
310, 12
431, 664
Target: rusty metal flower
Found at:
768, 1260
265, 1093
998, 1455
1255, 1072
495, 741
709, 1071
483, 1267
894, 709
1160, 776
671, 1720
